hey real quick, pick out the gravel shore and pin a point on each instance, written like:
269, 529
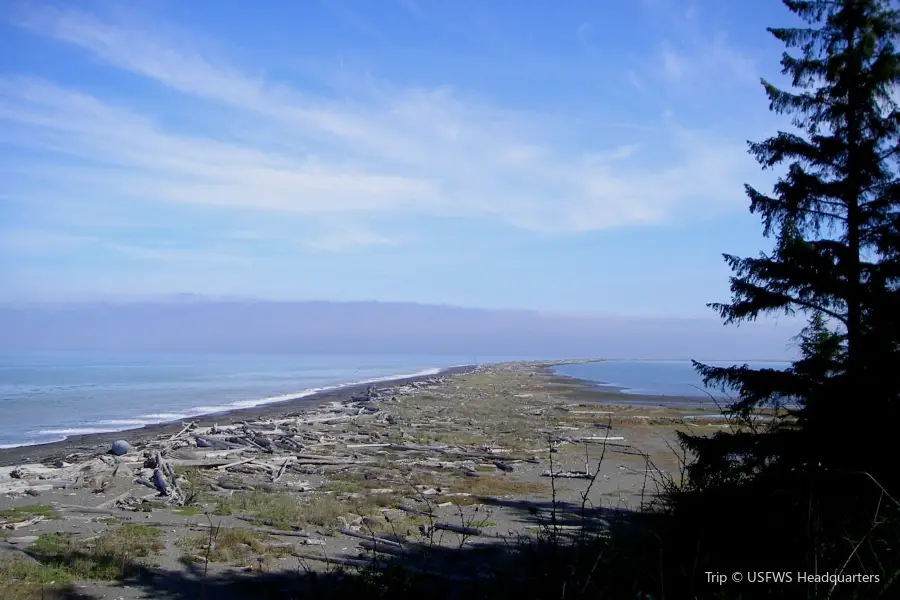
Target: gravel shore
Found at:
470, 459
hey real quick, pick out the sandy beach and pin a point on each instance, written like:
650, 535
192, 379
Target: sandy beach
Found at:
468, 460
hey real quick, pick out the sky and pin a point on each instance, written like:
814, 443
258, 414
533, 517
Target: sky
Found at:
575, 157
352, 328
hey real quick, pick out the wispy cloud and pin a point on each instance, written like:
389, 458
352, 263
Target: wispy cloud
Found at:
634, 79
180, 256
36, 242
383, 150
674, 65
347, 238
583, 33
698, 53
26, 240
706, 61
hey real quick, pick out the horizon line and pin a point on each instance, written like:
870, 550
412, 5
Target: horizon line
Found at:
189, 298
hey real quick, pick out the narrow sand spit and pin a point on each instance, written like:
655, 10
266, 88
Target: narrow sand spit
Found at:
472, 459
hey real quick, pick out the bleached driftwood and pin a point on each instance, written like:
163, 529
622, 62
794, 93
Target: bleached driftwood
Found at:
281, 470
457, 528
567, 475
114, 501
165, 480
368, 445
184, 430
383, 546
25, 523
367, 536
235, 463
347, 562
264, 530
414, 511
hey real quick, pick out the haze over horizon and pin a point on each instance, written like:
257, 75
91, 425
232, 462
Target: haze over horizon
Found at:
579, 158
200, 325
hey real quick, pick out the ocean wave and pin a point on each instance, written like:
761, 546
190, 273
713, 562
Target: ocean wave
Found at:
163, 417
253, 403
76, 431
422, 373
112, 425
21, 444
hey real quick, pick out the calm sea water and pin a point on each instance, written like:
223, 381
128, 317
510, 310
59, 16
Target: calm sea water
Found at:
45, 397
654, 377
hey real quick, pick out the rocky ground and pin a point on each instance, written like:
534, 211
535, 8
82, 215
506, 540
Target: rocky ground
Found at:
443, 473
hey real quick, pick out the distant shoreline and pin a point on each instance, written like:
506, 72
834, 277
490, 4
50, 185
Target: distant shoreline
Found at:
591, 391
474, 440
611, 392
91, 441
595, 391
185, 415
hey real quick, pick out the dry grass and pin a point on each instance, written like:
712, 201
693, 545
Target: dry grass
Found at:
343, 487
116, 553
357, 482
281, 510
285, 511
24, 580
233, 546
406, 525
194, 483
450, 437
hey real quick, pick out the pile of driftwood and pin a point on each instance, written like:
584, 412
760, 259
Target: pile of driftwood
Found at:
267, 449
32, 479
250, 455
264, 449
372, 434
258, 454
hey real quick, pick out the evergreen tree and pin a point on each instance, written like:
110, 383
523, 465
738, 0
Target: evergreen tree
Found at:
834, 217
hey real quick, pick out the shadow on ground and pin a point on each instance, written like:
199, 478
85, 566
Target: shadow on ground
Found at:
563, 547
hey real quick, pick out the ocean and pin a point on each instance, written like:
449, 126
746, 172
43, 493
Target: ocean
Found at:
45, 397
654, 377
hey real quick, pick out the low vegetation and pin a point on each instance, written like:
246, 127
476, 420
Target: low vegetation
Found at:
24, 580
231, 546
22, 513
284, 510
281, 510
118, 552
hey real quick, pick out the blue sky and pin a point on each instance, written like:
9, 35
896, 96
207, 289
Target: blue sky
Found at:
578, 157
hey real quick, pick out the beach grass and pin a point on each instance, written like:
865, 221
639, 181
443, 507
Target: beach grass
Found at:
283, 510
116, 553
25, 580
22, 513
189, 511
232, 546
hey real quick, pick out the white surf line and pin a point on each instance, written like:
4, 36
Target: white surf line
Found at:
127, 424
